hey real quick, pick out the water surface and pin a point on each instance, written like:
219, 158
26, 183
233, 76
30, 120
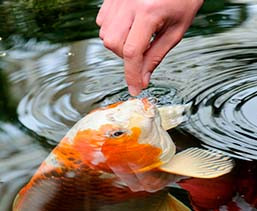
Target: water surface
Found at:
53, 72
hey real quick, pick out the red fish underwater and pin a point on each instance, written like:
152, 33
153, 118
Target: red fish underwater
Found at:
235, 191
118, 157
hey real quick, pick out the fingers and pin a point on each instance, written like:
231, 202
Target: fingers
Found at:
115, 34
159, 48
127, 32
115, 27
103, 12
133, 52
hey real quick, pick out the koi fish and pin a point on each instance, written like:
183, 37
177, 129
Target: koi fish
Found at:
118, 157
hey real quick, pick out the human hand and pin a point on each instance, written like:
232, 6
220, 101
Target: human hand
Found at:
127, 28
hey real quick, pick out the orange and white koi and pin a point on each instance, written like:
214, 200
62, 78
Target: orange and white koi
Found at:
119, 157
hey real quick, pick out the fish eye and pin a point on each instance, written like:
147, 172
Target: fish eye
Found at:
117, 133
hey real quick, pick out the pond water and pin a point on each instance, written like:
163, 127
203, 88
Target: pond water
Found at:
54, 70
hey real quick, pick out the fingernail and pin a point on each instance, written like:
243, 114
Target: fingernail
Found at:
133, 90
146, 79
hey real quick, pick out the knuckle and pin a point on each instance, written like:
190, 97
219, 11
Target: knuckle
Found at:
99, 18
113, 45
110, 43
129, 51
101, 34
148, 6
156, 60
99, 21
101, 37
157, 22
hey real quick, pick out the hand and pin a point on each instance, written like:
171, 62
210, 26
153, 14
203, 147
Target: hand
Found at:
128, 26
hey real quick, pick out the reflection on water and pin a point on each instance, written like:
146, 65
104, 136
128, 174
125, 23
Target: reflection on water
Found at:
55, 84
64, 20
59, 99
216, 74
19, 158
224, 94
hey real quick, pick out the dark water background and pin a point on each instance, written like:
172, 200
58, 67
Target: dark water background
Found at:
54, 69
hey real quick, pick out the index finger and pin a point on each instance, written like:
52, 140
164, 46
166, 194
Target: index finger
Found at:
133, 52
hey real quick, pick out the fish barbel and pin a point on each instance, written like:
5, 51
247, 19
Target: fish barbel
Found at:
118, 157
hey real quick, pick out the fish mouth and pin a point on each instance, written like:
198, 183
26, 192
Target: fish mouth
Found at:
147, 104
149, 107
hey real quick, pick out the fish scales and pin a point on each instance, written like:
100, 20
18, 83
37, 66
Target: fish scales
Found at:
86, 190
119, 157
74, 186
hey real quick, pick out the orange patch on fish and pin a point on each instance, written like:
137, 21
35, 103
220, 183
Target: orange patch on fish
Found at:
88, 143
117, 152
129, 155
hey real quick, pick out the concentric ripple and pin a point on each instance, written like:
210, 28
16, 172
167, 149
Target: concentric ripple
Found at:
224, 115
216, 74
84, 76
60, 102
220, 78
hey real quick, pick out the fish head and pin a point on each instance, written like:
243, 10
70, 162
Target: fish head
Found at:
125, 138
127, 134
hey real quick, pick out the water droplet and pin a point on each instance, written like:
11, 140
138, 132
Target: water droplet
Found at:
70, 54
82, 18
2, 54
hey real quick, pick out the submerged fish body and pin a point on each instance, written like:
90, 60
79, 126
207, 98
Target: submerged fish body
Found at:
235, 191
119, 157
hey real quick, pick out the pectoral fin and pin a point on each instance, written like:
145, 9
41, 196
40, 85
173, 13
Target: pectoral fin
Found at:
172, 204
199, 163
172, 116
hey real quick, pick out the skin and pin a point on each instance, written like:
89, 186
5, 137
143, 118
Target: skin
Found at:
127, 28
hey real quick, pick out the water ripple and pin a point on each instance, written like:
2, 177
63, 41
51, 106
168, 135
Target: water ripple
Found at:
19, 158
219, 76
216, 74
62, 91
